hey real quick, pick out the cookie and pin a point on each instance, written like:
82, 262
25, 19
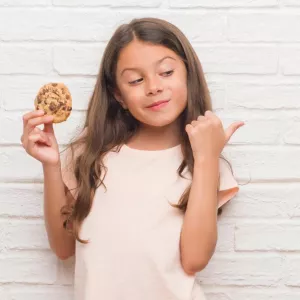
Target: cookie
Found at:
55, 99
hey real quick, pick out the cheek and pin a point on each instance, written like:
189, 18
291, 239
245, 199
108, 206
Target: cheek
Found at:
131, 96
179, 89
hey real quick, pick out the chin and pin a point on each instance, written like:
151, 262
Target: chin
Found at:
160, 120
159, 123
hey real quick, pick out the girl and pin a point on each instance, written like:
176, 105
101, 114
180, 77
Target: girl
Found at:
140, 188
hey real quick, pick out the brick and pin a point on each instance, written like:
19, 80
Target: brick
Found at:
17, 165
225, 236
249, 293
65, 271
212, 25
97, 25
290, 2
83, 60
24, 59
265, 236
289, 61
239, 270
19, 92
217, 94
265, 200
221, 3
64, 131
28, 268
4, 294
19, 234
118, 3
18, 3
265, 96
265, 163
264, 27
292, 134
256, 131
41, 292
24, 200
238, 60
74, 25
292, 272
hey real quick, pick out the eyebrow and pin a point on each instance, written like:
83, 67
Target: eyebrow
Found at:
157, 63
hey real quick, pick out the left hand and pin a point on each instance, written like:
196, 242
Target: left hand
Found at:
208, 137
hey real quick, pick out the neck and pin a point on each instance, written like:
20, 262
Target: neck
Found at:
156, 138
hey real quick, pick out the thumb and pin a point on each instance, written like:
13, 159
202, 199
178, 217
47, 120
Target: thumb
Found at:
48, 127
232, 129
188, 129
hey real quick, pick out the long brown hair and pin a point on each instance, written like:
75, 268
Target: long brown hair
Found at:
107, 126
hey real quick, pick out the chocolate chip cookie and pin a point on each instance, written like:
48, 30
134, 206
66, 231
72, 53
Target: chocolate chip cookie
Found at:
55, 99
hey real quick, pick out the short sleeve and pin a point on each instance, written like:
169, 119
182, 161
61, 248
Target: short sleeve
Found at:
228, 186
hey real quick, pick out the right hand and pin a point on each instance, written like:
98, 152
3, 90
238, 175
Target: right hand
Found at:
40, 144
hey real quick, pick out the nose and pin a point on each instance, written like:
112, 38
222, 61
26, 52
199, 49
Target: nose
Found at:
154, 86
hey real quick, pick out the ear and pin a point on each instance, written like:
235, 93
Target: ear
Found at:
118, 97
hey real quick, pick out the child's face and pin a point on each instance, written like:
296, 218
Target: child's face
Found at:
147, 74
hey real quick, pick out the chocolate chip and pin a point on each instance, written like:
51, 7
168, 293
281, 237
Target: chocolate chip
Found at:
52, 106
68, 97
69, 108
54, 84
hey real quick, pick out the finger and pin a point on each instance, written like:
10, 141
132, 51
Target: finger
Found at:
48, 127
210, 115
32, 114
232, 129
32, 123
188, 128
194, 123
32, 140
201, 118
43, 135
37, 138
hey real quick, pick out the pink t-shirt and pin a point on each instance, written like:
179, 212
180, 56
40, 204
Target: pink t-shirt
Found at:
134, 232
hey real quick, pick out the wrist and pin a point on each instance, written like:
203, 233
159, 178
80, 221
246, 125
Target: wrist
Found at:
51, 166
202, 161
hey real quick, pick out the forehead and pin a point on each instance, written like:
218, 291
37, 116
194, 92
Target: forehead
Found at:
143, 54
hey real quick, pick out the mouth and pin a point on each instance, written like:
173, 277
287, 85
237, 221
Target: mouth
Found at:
158, 104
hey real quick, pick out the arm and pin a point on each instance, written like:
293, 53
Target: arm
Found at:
61, 242
199, 231
42, 145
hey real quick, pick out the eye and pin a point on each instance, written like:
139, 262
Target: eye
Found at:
168, 73
136, 81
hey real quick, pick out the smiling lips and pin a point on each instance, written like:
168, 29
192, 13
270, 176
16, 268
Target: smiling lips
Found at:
159, 104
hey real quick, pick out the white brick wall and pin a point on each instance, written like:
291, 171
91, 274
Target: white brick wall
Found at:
250, 52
